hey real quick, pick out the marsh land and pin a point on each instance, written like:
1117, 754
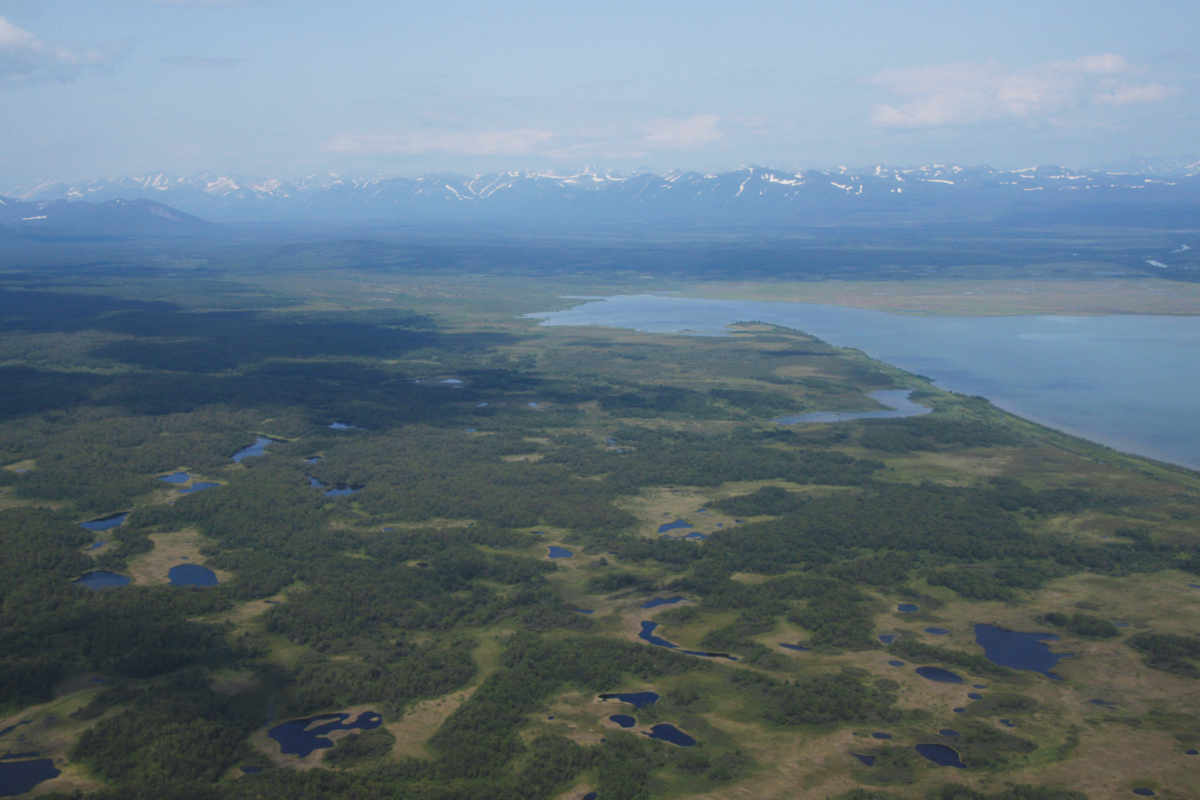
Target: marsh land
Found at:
837, 611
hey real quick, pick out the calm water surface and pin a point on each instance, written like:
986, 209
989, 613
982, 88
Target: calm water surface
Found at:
1127, 381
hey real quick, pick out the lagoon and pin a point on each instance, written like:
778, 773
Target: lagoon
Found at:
1126, 381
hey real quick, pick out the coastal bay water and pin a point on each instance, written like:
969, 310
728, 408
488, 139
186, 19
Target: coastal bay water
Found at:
1126, 381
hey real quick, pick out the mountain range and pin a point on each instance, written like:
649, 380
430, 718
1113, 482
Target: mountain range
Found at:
1164, 192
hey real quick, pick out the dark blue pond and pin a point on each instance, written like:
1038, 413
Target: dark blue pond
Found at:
959, 710
198, 487
15, 756
974, 696
1096, 701
314, 483
938, 631
695, 537
344, 490
297, 738
868, 760
799, 647
101, 579
1192, 752
1144, 792
192, 575
888, 638
648, 635
941, 755
13, 727
896, 663
938, 674
19, 777
560, 552
624, 720
585, 611
1027, 651
249, 770
1121, 624
661, 601
105, 523
95, 545
1007, 723
948, 732
312, 459
671, 526
592, 795
669, 733
259, 448
880, 735
636, 699
175, 477
907, 608
895, 399
978, 686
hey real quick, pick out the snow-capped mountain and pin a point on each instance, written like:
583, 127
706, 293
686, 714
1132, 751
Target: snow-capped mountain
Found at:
751, 193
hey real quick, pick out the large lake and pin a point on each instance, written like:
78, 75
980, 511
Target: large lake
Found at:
1130, 382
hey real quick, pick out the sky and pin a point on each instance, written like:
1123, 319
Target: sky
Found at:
286, 88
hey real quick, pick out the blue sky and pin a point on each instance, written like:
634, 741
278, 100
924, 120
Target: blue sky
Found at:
285, 88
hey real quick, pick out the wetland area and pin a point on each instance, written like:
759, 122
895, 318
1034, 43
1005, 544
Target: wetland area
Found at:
468, 554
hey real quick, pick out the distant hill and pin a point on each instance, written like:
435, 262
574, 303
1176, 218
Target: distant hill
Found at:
115, 219
1158, 193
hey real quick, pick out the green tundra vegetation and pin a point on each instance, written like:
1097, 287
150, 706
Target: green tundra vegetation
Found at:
477, 441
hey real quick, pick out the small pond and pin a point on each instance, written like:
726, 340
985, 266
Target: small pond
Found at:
99, 579
868, 760
192, 575
175, 477
624, 720
647, 634
880, 735
949, 733
888, 638
592, 795
907, 608
661, 601
636, 699
941, 755
896, 399
896, 663
585, 611
695, 537
667, 732
974, 696
938, 631
560, 552
1025, 651
799, 647
19, 777
345, 489
672, 526
13, 727
96, 545
247, 769
1008, 723
259, 448
300, 737
1144, 792
199, 487
312, 459
938, 674
105, 523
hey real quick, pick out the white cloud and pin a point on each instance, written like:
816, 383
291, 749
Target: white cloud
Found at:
693, 133
966, 93
24, 58
489, 143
